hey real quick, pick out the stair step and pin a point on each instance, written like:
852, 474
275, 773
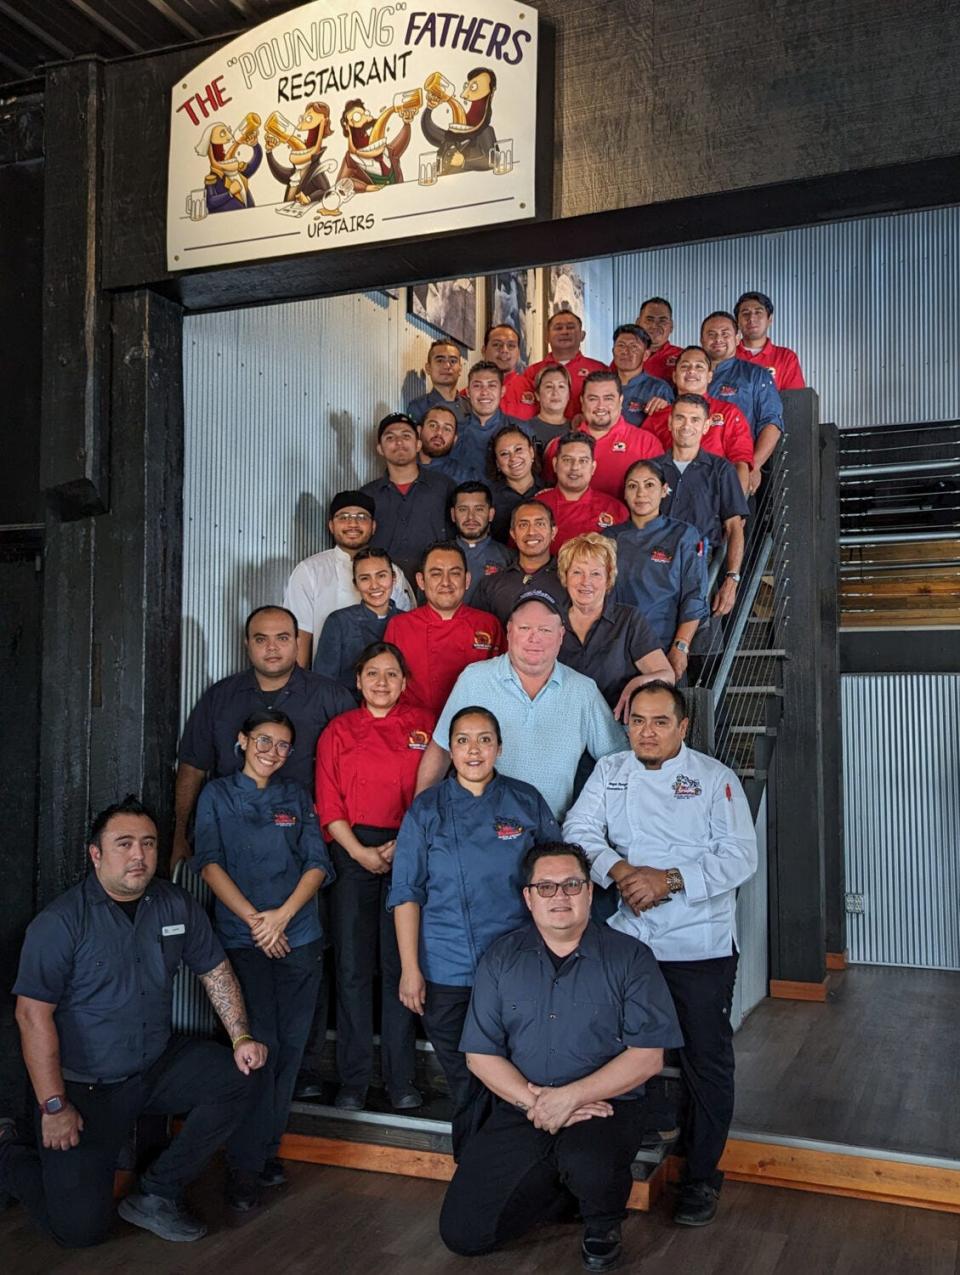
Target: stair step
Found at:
771, 653
754, 690
752, 730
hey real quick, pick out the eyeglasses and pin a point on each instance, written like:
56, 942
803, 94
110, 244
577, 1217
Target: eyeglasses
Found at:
345, 517
548, 889
264, 744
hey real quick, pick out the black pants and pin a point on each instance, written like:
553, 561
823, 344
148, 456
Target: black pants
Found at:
361, 925
702, 994
511, 1176
444, 1011
69, 1194
312, 1064
280, 996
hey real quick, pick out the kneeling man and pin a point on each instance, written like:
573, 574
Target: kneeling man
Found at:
566, 1022
94, 998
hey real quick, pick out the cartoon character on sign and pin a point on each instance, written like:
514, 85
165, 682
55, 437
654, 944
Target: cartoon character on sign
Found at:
306, 177
341, 192
233, 158
372, 160
466, 143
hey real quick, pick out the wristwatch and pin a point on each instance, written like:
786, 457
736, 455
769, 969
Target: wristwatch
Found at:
53, 1106
734, 576
674, 880
682, 647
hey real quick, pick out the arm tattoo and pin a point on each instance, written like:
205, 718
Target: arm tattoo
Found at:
226, 998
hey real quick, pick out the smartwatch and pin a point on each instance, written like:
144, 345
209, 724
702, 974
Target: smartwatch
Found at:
53, 1106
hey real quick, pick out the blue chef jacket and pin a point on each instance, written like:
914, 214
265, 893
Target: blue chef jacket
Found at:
638, 391
265, 839
753, 391
459, 857
661, 570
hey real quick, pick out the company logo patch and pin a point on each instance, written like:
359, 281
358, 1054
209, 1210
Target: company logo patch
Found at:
605, 520
491, 568
507, 830
684, 786
284, 819
583, 371
482, 641
527, 397
715, 420
617, 785
699, 548
671, 360
418, 739
661, 555
728, 389
619, 447
634, 405
728, 792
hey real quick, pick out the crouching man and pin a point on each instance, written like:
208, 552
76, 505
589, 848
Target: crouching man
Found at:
94, 999
566, 1022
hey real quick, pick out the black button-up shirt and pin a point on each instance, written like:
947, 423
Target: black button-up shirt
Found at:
557, 1026
706, 494
407, 524
505, 501
498, 593
111, 979
309, 699
616, 640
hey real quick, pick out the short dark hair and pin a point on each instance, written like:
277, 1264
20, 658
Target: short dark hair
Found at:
396, 418
754, 296
633, 329
563, 313
525, 504
481, 712
129, 805
493, 327
380, 648
547, 849
368, 552
599, 376
719, 314
654, 301
679, 700
446, 546
694, 399
646, 463
473, 487
575, 436
485, 365
269, 716
435, 345
484, 70
687, 348
269, 606
440, 407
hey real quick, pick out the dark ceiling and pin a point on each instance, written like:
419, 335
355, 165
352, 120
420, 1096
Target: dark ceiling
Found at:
34, 32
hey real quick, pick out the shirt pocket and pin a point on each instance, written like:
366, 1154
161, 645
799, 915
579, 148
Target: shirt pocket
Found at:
171, 950
597, 1029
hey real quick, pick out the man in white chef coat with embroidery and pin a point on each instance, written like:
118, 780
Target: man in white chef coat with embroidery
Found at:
672, 829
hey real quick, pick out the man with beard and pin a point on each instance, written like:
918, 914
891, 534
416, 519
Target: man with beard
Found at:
750, 387
438, 444
463, 148
306, 178
371, 167
531, 526
642, 393
618, 444
324, 582
566, 335
471, 511
577, 506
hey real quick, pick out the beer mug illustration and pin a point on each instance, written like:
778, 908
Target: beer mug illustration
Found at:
500, 157
196, 205
439, 90
281, 129
248, 127
427, 175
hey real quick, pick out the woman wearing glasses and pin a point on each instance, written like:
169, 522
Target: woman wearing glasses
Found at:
257, 845
367, 762
457, 886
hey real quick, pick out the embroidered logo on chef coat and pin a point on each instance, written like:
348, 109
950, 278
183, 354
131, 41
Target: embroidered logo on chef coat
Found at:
699, 548
634, 405
728, 791
491, 568
527, 397
684, 786
482, 641
605, 520
672, 360
284, 819
418, 739
728, 389
584, 371
619, 447
616, 785
715, 421
661, 555
507, 831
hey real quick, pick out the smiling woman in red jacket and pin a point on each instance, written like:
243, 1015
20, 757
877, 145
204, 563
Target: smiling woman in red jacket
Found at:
367, 763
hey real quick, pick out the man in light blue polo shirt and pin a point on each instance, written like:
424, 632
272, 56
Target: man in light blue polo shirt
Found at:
549, 714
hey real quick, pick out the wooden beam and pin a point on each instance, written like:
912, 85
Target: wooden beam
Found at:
837, 961
785, 989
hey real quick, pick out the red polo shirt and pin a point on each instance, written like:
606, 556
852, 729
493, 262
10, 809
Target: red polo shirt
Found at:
729, 434
662, 362
437, 650
367, 766
614, 453
518, 400
783, 364
579, 368
594, 511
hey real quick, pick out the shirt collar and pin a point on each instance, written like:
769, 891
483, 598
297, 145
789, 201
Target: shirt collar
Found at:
509, 674
94, 892
588, 946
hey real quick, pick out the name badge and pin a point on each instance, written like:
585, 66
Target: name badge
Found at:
168, 930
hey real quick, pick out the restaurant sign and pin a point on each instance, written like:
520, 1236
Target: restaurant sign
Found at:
333, 125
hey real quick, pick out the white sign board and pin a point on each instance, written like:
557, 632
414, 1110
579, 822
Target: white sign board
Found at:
333, 125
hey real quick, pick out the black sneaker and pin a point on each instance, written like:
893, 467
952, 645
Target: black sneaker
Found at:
272, 1173
308, 1088
8, 1133
242, 1194
350, 1098
599, 1249
406, 1099
166, 1218
697, 1204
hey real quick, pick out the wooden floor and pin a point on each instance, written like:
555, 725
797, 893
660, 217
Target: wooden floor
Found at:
876, 1065
343, 1222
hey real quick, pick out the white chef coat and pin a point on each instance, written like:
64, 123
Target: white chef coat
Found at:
324, 583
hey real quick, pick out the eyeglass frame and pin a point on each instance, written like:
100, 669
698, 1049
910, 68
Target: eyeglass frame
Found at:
558, 886
282, 747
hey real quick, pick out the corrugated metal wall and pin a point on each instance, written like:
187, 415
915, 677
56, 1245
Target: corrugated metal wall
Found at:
871, 306
901, 763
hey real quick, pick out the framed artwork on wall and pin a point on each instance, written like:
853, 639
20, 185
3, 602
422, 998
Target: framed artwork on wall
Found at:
450, 306
515, 297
